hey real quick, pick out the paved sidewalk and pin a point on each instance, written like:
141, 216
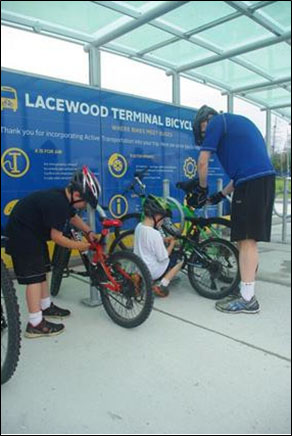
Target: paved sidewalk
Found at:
188, 369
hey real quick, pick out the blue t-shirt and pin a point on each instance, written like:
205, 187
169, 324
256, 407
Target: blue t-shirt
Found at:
240, 147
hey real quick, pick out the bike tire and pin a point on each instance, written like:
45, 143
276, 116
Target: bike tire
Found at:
135, 219
9, 299
229, 284
124, 242
60, 262
146, 309
179, 219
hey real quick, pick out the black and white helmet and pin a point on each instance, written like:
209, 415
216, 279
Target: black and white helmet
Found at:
205, 113
88, 186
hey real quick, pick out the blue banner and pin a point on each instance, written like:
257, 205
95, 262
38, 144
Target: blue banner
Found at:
50, 128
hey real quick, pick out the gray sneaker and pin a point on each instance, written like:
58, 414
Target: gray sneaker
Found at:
234, 294
238, 305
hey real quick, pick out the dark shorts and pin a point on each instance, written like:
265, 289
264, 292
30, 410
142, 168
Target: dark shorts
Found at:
252, 210
30, 257
174, 259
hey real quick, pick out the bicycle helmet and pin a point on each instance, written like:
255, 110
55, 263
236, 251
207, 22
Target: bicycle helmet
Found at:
156, 206
88, 186
205, 113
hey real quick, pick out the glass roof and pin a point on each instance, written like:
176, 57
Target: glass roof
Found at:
227, 44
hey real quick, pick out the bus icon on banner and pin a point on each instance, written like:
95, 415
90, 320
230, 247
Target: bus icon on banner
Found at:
9, 98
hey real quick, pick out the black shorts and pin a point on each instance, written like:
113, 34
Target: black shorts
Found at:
252, 210
30, 257
174, 259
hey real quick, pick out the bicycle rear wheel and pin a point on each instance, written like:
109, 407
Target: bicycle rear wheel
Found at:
176, 224
125, 242
10, 326
221, 277
130, 222
133, 304
60, 263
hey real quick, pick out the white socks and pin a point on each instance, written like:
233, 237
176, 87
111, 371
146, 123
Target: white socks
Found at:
165, 283
45, 303
247, 290
35, 318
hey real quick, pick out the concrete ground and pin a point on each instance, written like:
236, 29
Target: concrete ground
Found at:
188, 369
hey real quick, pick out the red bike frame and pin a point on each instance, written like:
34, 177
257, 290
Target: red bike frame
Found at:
100, 257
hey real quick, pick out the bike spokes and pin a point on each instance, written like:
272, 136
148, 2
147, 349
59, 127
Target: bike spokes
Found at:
216, 275
132, 303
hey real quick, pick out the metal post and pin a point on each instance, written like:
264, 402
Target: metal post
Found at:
285, 211
94, 67
176, 88
94, 295
230, 103
166, 188
269, 131
220, 205
94, 80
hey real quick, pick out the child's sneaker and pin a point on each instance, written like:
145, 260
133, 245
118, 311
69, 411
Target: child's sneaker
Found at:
160, 291
44, 328
55, 312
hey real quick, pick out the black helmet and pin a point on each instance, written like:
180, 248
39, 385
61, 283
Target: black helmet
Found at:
203, 114
156, 206
88, 186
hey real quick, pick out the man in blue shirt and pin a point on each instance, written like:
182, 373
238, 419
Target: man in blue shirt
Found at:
243, 154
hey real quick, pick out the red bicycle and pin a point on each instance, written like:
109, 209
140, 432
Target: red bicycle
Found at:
123, 279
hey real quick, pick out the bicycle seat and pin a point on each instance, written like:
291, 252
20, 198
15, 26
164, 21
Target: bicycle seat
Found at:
107, 223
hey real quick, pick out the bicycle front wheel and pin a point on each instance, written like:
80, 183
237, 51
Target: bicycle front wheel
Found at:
133, 304
60, 263
217, 275
10, 326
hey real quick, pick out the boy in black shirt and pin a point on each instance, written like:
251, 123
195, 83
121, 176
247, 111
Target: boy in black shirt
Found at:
34, 220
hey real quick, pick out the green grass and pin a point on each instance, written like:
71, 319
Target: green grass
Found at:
280, 187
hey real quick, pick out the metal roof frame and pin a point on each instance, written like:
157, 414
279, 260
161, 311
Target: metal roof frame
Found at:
128, 26
134, 18
243, 90
278, 106
234, 52
256, 16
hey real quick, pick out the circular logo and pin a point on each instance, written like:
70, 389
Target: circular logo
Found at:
118, 206
118, 165
190, 168
15, 162
9, 206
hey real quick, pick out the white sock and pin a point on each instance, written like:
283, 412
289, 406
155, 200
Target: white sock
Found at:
45, 303
164, 282
35, 318
247, 290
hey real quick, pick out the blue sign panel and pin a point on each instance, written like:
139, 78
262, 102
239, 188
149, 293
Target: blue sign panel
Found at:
50, 128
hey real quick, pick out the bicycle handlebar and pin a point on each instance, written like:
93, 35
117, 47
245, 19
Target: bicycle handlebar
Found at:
140, 174
138, 177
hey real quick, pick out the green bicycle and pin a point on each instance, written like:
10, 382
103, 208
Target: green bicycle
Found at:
186, 222
212, 265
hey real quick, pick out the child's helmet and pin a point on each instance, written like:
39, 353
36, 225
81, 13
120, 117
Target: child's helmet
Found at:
88, 186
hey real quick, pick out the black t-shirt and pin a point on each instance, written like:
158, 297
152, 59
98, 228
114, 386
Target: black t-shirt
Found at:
40, 212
